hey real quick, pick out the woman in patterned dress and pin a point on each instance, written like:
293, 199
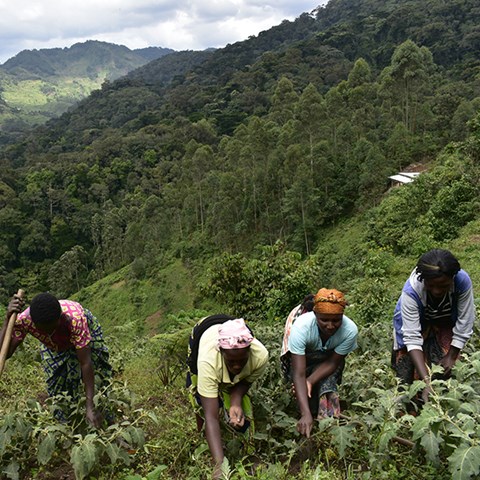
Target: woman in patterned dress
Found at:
73, 350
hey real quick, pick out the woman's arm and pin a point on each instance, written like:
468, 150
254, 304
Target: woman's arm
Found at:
418, 360
84, 356
411, 326
463, 328
412, 336
448, 361
326, 368
237, 417
212, 431
304, 425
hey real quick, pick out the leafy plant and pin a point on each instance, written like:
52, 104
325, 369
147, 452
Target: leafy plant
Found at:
36, 434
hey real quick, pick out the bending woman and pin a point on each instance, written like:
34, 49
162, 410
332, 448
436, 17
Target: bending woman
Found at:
229, 360
433, 319
318, 344
73, 350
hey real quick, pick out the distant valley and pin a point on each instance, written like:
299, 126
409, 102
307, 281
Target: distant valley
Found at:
37, 85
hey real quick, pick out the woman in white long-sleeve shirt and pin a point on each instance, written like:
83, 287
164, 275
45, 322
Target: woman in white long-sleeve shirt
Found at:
433, 319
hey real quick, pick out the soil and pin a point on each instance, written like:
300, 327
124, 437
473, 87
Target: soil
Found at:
62, 472
153, 321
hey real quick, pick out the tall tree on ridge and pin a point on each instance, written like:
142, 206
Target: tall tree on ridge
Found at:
406, 80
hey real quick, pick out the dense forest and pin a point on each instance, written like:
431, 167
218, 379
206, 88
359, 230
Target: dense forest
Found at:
227, 155
239, 180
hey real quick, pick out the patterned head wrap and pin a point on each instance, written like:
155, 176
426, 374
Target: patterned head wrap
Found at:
234, 334
329, 301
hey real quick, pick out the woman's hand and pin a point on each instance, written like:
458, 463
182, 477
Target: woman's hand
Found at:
94, 417
15, 305
305, 424
427, 390
309, 388
448, 361
237, 417
426, 393
217, 472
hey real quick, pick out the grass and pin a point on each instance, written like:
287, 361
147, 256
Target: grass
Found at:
50, 97
120, 301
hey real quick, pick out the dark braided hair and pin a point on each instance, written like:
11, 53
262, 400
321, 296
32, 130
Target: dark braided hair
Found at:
308, 302
436, 263
45, 308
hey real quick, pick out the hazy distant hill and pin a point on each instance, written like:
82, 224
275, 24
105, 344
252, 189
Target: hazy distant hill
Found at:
152, 53
36, 85
90, 59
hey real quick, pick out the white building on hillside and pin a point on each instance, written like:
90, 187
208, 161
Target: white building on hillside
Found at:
402, 178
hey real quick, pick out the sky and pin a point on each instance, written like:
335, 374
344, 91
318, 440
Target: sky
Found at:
176, 24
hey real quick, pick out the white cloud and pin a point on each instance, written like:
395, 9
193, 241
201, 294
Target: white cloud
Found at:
177, 24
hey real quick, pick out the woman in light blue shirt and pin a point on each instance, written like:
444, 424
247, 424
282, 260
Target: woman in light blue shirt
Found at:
318, 343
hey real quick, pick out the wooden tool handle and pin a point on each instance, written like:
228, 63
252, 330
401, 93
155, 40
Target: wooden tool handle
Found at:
8, 335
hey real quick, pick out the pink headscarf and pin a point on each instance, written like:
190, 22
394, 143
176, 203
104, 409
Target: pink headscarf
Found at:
234, 334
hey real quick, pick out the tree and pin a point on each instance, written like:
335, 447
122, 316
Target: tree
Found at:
463, 114
406, 80
398, 146
108, 234
360, 74
202, 163
373, 178
336, 113
67, 275
7, 195
310, 113
38, 184
284, 100
35, 242
11, 229
361, 95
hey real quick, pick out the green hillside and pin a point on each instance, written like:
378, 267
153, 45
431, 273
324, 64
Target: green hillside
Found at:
37, 85
238, 180
148, 346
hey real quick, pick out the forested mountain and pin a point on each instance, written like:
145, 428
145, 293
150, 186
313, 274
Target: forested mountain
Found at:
273, 138
40, 84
